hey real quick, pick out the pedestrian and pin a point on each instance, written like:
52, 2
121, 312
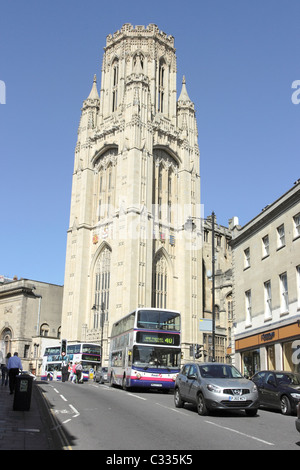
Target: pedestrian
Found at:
74, 372
70, 371
14, 365
64, 368
78, 372
4, 370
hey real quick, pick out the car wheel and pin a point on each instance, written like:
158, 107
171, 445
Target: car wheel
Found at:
251, 412
285, 405
201, 405
177, 399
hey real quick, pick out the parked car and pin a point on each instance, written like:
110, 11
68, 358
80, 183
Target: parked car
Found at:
101, 375
298, 418
278, 389
215, 386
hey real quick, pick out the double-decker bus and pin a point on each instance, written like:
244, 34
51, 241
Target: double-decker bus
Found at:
145, 349
86, 353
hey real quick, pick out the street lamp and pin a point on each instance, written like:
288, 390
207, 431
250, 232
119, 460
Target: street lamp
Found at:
102, 315
190, 226
213, 286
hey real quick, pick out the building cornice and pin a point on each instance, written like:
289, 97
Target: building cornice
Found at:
268, 214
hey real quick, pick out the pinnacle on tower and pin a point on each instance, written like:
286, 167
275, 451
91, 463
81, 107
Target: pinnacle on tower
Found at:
94, 92
184, 94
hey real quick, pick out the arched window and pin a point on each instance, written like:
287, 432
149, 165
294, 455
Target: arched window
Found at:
105, 184
165, 187
160, 282
102, 288
6, 338
161, 86
44, 329
115, 81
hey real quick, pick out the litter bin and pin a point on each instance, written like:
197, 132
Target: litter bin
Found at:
23, 389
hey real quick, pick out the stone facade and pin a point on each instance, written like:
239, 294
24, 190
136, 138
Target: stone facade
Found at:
222, 287
136, 182
266, 280
30, 318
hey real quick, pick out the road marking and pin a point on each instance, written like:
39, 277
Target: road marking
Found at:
170, 409
75, 411
136, 396
63, 397
241, 433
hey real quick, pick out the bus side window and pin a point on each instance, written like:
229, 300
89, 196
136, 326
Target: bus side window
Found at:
129, 358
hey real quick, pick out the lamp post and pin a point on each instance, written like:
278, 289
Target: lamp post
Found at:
102, 315
213, 285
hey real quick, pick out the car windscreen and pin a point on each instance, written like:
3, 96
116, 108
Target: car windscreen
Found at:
288, 379
220, 371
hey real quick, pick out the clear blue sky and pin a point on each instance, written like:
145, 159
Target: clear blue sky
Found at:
240, 59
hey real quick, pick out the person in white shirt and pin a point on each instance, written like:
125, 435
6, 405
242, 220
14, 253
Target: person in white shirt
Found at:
14, 365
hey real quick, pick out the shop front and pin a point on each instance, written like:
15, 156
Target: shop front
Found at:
276, 349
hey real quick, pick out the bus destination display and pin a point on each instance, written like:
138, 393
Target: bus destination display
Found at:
163, 339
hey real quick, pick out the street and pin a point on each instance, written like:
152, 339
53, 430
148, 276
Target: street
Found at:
91, 416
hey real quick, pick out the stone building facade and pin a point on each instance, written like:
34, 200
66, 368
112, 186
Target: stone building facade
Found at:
136, 183
222, 288
266, 287
30, 319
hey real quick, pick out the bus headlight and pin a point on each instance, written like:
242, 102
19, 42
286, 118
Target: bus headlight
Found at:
174, 377
138, 376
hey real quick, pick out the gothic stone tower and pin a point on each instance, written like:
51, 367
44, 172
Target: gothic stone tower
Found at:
135, 185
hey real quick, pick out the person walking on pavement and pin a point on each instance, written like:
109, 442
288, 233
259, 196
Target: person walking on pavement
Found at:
64, 368
14, 365
79, 372
74, 372
4, 370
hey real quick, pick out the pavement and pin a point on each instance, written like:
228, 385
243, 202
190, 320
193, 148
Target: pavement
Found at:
26, 430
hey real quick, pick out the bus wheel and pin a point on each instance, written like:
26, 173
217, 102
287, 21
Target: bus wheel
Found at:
111, 381
124, 386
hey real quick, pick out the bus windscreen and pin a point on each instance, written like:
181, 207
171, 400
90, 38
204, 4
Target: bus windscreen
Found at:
160, 320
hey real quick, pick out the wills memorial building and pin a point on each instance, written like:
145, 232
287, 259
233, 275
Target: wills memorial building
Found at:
134, 238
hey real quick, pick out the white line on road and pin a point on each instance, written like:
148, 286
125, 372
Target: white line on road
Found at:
170, 409
75, 411
136, 396
63, 397
241, 433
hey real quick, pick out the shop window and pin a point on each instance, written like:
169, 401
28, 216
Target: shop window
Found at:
251, 362
271, 357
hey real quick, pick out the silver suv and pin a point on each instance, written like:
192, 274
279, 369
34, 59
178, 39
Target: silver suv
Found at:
213, 386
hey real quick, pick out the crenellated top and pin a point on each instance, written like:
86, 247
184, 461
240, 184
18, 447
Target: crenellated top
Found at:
128, 30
